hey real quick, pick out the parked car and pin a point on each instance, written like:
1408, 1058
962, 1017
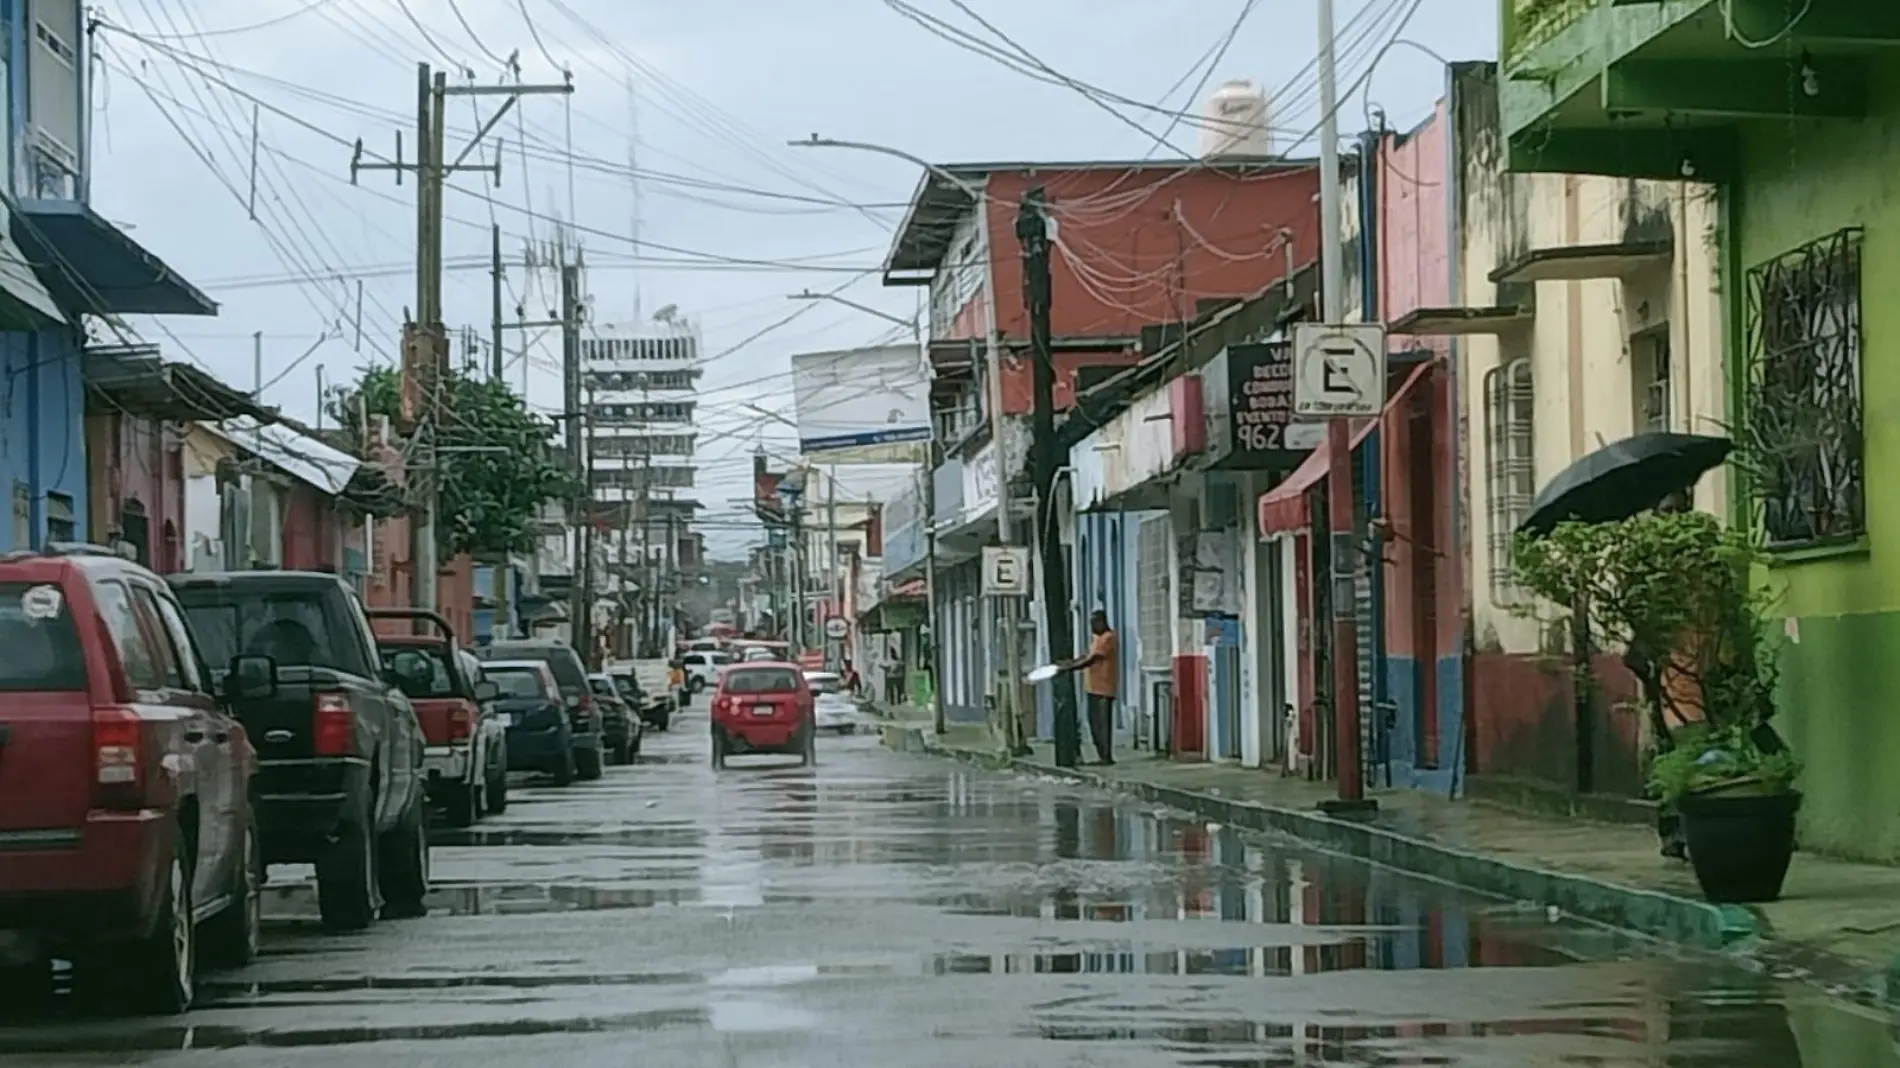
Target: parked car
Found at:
763, 707
703, 668
340, 780
570, 674
465, 758
621, 730
128, 835
535, 714
834, 709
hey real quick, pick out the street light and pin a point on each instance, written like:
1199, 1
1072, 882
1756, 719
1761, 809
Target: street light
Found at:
993, 350
909, 324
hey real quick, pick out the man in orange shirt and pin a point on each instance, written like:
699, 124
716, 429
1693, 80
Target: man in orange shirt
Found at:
1103, 668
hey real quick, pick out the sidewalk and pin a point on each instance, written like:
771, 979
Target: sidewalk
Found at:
1838, 923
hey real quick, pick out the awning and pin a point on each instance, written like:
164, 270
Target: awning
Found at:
1459, 322
1574, 263
135, 378
1283, 509
93, 266
25, 303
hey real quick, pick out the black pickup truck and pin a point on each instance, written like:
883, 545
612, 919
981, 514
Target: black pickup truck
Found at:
340, 779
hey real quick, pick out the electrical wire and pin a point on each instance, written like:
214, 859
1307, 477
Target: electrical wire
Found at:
227, 31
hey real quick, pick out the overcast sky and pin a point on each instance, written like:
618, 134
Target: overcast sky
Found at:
718, 86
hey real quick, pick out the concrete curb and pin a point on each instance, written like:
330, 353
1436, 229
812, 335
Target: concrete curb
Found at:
1658, 915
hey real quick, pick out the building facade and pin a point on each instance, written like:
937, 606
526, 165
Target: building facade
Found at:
1138, 245
1791, 115
80, 265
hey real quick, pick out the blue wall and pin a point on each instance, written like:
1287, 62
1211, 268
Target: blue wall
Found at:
42, 434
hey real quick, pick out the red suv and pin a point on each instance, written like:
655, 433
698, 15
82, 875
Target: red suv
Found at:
126, 839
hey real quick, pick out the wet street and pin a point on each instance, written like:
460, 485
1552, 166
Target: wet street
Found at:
902, 912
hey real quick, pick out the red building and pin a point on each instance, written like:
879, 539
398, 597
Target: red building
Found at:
1136, 244
136, 408
1137, 250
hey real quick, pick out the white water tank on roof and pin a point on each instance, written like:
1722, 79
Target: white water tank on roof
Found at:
1236, 121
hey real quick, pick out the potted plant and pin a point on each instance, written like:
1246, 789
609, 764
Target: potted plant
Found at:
1676, 591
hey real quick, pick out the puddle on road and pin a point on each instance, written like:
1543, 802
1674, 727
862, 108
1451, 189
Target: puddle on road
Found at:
964, 907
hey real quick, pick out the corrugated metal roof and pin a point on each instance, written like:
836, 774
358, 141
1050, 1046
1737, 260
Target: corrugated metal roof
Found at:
298, 455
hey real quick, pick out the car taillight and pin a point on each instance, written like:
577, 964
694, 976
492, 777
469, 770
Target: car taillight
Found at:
722, 703
332, 725
118, 758
461, 723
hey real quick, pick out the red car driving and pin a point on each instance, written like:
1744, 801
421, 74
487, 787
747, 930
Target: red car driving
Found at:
763, 707
125, 788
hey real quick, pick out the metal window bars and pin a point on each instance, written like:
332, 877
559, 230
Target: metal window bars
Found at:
1510, 468
1802, 425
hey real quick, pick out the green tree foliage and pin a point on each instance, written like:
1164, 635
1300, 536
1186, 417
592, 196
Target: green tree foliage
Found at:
499, 462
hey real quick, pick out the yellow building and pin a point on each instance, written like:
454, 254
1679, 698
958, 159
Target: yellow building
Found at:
1589, 311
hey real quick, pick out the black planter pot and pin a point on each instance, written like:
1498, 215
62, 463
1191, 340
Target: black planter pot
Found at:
1739, 845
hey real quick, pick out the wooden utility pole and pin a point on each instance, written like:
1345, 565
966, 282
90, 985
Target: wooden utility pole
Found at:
1032, 230
425, 366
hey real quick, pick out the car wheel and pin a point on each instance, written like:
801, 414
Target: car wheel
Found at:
663, 719
347, 897
405, 865
497, 792
158, 973
696, 685
718, 750
464, 804
564, 771
587, 764
810, 756
231, 938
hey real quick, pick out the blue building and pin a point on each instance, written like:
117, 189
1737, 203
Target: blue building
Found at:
59, 262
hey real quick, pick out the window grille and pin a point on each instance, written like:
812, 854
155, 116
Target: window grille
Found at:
1803, 421
1510, 468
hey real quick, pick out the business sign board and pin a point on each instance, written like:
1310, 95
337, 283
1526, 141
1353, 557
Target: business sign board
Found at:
867, 405
1251, 425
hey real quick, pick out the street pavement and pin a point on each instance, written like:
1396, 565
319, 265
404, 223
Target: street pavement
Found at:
906, 912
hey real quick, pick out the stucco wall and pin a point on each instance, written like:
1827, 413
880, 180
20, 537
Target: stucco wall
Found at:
1804, 181
42, 432
1586, 393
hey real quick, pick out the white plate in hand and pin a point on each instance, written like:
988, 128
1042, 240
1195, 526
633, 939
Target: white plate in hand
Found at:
1043, 673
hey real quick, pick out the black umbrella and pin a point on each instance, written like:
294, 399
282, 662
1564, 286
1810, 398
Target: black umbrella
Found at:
1624, 478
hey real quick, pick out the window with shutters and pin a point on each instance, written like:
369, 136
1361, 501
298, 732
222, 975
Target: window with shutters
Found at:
1510, 468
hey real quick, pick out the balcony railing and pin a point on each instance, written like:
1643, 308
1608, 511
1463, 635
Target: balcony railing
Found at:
1529, 23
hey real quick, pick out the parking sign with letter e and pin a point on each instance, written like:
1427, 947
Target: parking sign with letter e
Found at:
1338, 369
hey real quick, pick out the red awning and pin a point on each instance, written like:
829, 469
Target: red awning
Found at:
1283, 508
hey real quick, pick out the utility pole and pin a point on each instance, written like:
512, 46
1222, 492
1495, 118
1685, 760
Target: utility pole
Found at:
501, 571
1032, 230
671, 580
496, 358
832, 563
1011, 608
425, 341
1339, 502
580, 519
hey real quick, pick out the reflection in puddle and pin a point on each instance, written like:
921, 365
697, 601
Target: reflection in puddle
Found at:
953, 918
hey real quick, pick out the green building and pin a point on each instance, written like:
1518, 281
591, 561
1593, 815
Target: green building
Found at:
1792, 109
